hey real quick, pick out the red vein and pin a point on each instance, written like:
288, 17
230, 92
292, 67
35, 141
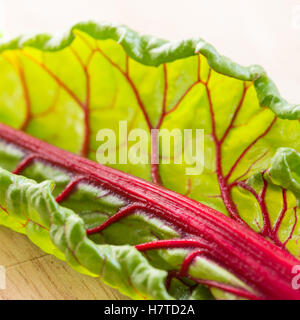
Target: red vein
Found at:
282, 213
188, 261
257, 113
275, 232
28, 115
69, 188
225, 192
252, 165
87, 43
164, 103
293, 228
87, 130
127, 65
24, 163
154, 158
116, 217
198, 68
236, 112
5, 210
168, 244
34, 222
78, 58
189, 187
181, 98
86, 106
267, 223
25, 90
241, 156
154, 134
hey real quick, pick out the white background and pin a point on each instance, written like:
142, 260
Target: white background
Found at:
265, 32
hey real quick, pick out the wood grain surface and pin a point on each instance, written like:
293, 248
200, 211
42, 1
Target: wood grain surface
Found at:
32, 274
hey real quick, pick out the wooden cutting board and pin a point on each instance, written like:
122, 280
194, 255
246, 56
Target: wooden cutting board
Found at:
32, 274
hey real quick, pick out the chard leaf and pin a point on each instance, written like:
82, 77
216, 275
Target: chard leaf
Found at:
99, 75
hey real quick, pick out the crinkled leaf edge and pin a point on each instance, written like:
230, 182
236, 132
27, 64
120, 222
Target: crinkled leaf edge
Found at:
153, 51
